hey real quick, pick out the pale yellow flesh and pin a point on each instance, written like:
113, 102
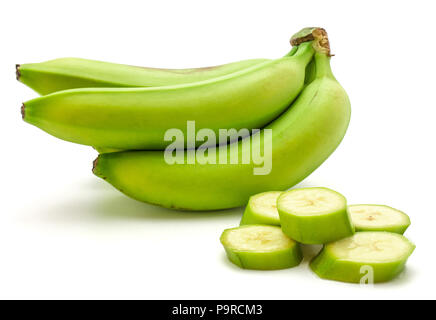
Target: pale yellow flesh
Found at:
258, 239
266, 204
370, 247
311, 201
371, 216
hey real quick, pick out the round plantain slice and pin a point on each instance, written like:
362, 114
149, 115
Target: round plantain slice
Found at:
261, 247
314, 215
370, 256
262, 209
371, 217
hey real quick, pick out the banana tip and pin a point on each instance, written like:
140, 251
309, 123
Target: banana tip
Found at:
17, 72
23, 111
94, 165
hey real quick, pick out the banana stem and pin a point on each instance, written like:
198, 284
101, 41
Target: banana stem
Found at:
322, 66
305, 52
317, 35
318, 39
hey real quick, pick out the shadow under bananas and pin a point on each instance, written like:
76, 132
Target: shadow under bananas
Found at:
120, 206
96, 200
113, 204
99, 201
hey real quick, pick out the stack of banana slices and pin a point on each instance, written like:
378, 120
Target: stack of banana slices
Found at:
292, 110
361, 243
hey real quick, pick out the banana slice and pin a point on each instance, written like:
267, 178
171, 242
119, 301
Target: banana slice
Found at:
314, 215
371, 217
261, 247
374, 256
262, 209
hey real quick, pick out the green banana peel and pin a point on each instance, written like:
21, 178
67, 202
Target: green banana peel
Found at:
303, 137
106, 150
138, 118
72, 73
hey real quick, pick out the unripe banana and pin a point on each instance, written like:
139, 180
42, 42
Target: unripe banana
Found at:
71, 73
262, 209
302, 138
365, 257
138, 118
106, 150
261, 247
371, 217
314, 215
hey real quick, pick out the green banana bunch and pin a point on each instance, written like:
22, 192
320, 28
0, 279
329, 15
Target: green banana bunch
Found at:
71, 73
302, 139
138, 118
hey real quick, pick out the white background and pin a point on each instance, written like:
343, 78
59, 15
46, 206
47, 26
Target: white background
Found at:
66, 234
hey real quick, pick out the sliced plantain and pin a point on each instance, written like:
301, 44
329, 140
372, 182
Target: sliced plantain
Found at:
261, 247
379, 255
314, 215
262, 209
371, 217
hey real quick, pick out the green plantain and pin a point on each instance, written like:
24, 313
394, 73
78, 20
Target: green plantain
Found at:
365, 257
261, 247
302, 138
72, 73
314, 215
138, 118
